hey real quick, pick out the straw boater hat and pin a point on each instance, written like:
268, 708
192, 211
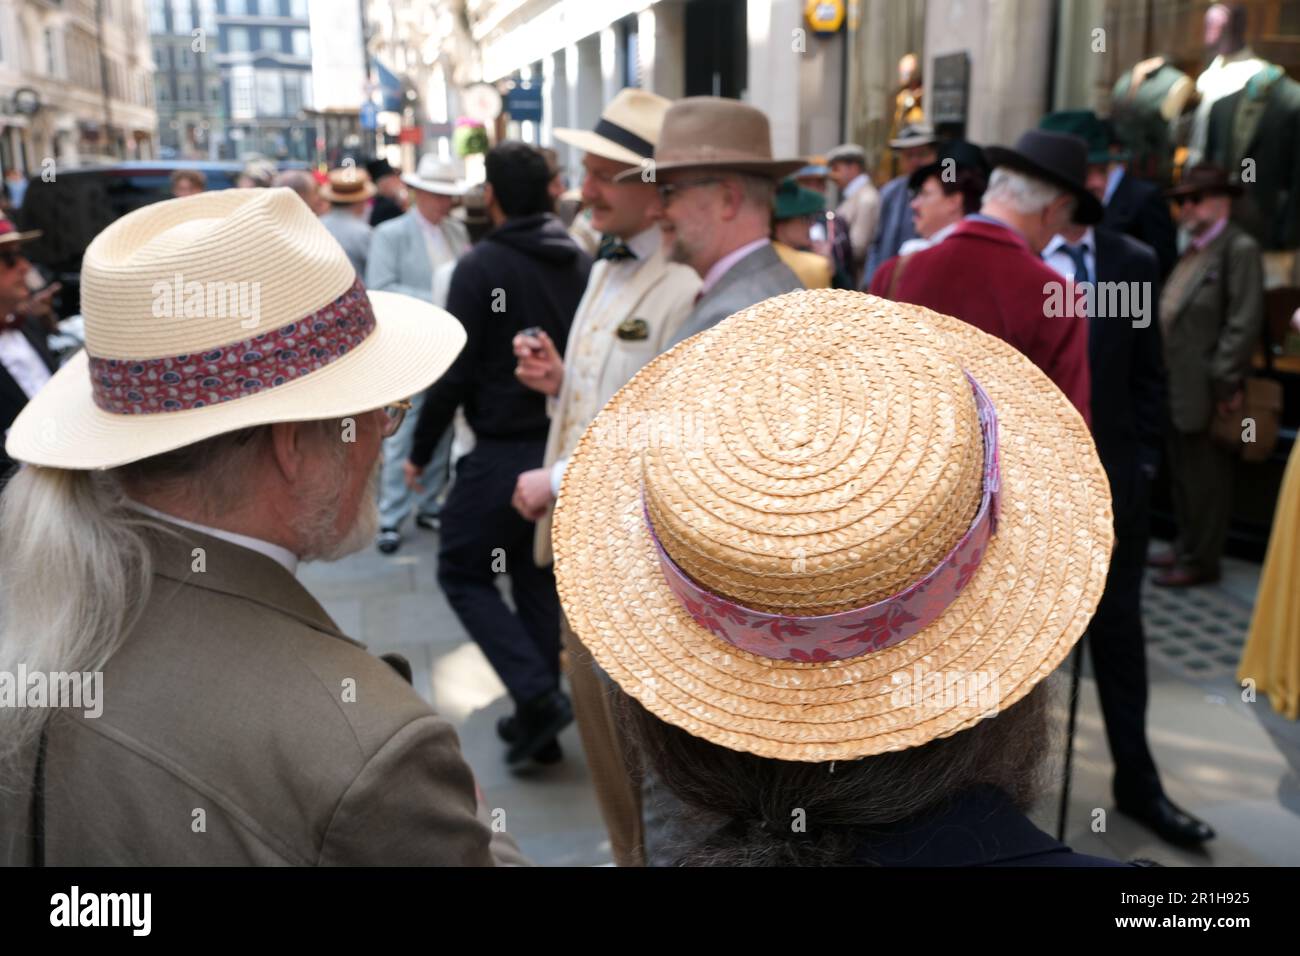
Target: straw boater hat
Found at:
777, 547
715, 133
217, 312
627, 130
348, 184
434, 176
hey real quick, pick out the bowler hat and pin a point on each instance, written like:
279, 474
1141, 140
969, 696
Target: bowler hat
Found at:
1057, 158
962, 154
379, 168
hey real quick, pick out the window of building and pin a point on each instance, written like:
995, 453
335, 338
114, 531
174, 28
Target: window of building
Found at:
241, 94
301, 43
237, 8
184, 59
160, 57
186, 87
270, 94
298, 9
207, 15
292, 94
53, 58
157, 16
236, 39
273, 40
182, 16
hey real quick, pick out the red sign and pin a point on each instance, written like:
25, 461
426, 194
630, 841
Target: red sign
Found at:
409, 134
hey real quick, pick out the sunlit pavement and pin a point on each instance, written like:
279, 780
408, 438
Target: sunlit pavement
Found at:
1233, 763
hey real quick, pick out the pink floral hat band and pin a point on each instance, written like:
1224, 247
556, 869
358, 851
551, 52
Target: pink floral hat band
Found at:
848, 634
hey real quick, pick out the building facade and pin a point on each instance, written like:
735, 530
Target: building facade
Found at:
76, 83
264, 60
187, 83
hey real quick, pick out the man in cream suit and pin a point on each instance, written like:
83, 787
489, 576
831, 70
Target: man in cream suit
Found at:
415, 254
635, 301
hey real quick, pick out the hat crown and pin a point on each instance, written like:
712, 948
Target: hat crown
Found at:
703, 129
806, 481
191, 274
640, 112
434, 169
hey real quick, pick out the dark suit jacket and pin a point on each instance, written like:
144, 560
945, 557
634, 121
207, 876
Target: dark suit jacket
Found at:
1128, 373
12, 398
980, 827
986, 274
1139, 209
1270, 209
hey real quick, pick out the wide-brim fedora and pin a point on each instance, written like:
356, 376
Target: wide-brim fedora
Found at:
627, 130
217, 312
1205, 179
1057, 158
781, 548
709, 132
434, 176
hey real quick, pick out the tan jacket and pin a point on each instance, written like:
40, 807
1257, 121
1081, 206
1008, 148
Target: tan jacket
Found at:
660, 294
861, 212
1211, 314
240, 727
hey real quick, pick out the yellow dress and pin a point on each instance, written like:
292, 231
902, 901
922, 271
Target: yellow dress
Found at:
1272, 655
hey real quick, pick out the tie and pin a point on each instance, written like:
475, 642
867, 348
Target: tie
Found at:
614, 249
1076, 254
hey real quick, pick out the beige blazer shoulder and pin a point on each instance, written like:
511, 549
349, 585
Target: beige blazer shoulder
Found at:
662, 294
241, 727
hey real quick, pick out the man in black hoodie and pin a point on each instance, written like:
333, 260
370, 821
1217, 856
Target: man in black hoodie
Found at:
525, 273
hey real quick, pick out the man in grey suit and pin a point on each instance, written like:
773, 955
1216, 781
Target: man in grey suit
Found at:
717, 178
347, 193
415, 255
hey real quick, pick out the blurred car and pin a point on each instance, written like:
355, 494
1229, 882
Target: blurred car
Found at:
78, 203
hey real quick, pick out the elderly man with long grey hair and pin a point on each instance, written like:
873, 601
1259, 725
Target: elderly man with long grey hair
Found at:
221, 425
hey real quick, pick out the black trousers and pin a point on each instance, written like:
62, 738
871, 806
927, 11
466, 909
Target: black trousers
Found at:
1118, 645
484, 537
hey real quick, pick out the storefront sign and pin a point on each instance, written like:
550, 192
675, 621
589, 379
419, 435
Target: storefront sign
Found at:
949, 89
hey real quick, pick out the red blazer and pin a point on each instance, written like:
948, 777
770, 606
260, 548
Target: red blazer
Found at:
987, 275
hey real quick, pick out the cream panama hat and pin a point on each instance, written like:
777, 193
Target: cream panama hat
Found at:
217, 312
434, 176
833, 526
627, 131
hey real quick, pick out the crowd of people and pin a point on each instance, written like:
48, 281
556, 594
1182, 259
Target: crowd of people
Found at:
951, 471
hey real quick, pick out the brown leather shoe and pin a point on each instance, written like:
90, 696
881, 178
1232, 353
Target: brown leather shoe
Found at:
1162, 559
1183, 578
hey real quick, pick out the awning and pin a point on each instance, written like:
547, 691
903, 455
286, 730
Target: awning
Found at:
390, 88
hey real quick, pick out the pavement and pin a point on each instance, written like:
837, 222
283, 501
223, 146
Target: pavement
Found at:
1233, 762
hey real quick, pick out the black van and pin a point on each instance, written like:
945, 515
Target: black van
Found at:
76, 205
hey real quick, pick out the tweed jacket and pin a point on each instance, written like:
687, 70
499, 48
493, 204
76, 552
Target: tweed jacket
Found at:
758, 276
659, 294
399, 256
240, 727
1211, 313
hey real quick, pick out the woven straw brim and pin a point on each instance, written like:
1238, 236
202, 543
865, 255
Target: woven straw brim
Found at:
1027, 604
412, 344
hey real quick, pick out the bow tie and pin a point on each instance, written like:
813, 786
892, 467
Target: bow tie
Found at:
614, 249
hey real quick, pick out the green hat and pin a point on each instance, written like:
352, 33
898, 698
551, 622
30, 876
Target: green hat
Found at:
793, 200
1086, 125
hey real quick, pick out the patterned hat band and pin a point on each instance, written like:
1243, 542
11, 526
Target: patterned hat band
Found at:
227, 372
846, 634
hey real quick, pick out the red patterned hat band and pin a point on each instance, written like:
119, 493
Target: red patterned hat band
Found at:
227, 372
847, 634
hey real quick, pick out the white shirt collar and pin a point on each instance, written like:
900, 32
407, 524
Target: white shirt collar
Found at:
646, 242
1058, 241
280, 555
